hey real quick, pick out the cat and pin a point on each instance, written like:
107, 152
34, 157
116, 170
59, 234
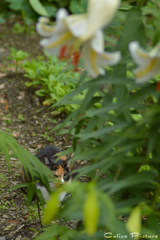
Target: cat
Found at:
60, 168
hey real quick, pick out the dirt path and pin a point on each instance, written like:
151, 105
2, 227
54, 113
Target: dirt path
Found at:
23, 116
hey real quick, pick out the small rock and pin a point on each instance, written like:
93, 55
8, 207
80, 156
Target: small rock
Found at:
5, 216
24, 238
35, 234
31, 150
13, 159
2, 238
15, 183
12, 208
18, 238
25, 212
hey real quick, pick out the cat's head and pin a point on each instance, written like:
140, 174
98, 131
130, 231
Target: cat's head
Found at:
60, 168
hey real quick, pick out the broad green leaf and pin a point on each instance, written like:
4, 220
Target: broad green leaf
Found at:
31, 192
51, 208
21, 185
136, 32
133, 224
38, 7
78, 6
91, 211
51, 232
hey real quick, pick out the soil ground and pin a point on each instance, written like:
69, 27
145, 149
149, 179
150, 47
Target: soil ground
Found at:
23, 116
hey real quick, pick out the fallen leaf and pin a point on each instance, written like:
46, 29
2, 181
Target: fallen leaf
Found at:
6, 107
13, 221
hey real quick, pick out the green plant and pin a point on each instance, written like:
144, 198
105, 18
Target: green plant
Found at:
120, 139
7, 119
18, 28
17, 56
33, 212
5, 206
30, 10
55, 80
21, 118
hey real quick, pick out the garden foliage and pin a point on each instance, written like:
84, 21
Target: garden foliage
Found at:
120, 140
30, 10
54, 79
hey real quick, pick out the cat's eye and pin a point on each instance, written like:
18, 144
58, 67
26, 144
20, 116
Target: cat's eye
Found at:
56, 176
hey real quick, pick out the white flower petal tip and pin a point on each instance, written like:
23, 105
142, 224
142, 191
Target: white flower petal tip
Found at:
43, 20
100, 14
43, 28
148, 62
77, 24
94, 60
111, 59
61, 13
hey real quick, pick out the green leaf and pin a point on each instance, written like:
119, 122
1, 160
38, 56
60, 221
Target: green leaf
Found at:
31, 192
91, 211
21, 185
78, 6
38, 7
136, 32
51, 10
2, 19
134, 222
51, 232
51, 208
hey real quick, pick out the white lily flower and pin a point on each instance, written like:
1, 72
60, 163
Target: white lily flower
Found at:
71, 32
61, 35
94, 55
148, 62
99, 14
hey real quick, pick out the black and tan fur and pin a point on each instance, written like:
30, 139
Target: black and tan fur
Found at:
48, 156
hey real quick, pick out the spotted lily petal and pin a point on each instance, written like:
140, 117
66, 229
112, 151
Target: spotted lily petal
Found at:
100, 13
94, 56
148, 62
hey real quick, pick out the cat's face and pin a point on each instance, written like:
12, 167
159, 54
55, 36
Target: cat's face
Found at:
59, 168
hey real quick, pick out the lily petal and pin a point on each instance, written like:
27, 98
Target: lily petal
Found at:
60, 18
148, 62
94, 55
90, 61
43, 29
100, 14
77, 24
139, 55
53, 44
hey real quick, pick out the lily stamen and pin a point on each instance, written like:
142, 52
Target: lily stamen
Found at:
62, 52
75, 61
